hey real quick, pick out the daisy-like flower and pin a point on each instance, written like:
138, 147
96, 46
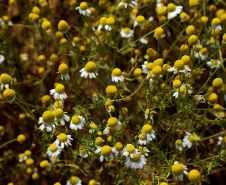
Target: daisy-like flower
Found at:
89, 70
203, 53
116, 75
63, 139
178, 144
190, 139
118, 148
181, 91
77, 122
140, 20
109, 22
58, 104
142, 140
99, 142
47, 121
93, 182
54, 150
74, 181
126, 33
222, 141
95, 97
159, 33
143, 150
144, 40
83, 152
129, 150
148, 132
218, 111
173, 10
2, 58
84, 9
9, 95
24, 56
214, 63
61, 116
178, 169
63, 70
5, 21
126, 3
5, 80
102, 23
179, 67
147, 67
22, 157
59, 91
93, 127
114, 123
136, 161
149, 113
106, 153
216, 24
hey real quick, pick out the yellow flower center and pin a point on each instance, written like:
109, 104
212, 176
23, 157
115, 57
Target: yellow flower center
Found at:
149, 66
177, 169
90, 67
58, 104
9, 94
213, 98
142, 150
6, 79
103, 21
193, 138
126, 30
214, 62
27, 153
178, 142
141, 137
194, 175
126, 1
216, 22
179, 65
119, 146
106, 151
48, 117
218, 83
136, 158
92, 125
203, 51
181, 90
159, 32
21, 156
158, 62
140, 19
62, 137
83, 6
190, 30
75, 120
224, 140
171, 7
117, 72
73, 180
110, 21
147, 128
82, 150
99, 141
29, 162
95, 95
193, 39
157, 70
63, 69
112, 122
59, 113
111, 90
53, 148
130, 149
59, 89
63, 26
46, 25
177, 84
92, 182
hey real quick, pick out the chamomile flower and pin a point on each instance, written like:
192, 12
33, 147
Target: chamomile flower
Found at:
148, 132
216, 24
2, 58
77, 122
63, 139
118, 148
109, 22
99, 142
63, 70
93, 182
194, 176
159, 33
95, 97
116, 75
190, 139
59, 91
126, 3
54, 150
74, 181
93, 127
140, 20
126, 33
24, 56
61, 116
58, 104
147, 67
106, 153
22, 157
179, 144
83, 152
102, 23
149, 113
178, 170
179, 66
173, 10
222, 141
143, 150
142, 139
89, 70
47, 121
114, 123
136, 161
129, 150
214, 63
188, 88
84, 9
5, 80
203, 53
218, 112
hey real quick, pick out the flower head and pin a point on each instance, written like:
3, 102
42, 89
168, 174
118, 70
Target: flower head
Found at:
77, 122
47, 121
63, 139
178, 169
84, 9
59, 91
89, 70
190, 139
106, 153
